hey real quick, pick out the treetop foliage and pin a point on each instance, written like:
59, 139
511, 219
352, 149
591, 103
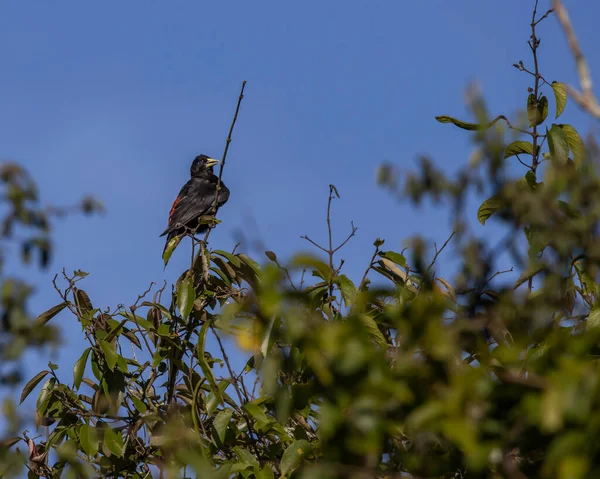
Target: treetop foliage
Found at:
403, 371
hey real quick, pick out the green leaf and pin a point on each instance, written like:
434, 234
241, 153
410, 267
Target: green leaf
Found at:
79, 368
294, 455
461, 124
575, 143
537, 111
542, 109
395, 257
519, 148
250, 262
369, 323
48, 315
31, 384
233, 259
110, 353
171, 245
208, 374
488, 208
139, 404
309, 261
531, 179
560, 95
265, 473
245, 457
88, 439
593, 320
186, 295
44, 397
347, 288
558, 145
82, 300
9, 442
257, 413
221, 422
113, 441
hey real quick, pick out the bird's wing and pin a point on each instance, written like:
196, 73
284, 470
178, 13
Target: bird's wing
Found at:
195, 199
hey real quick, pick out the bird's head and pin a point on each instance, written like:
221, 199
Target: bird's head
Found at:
201, 164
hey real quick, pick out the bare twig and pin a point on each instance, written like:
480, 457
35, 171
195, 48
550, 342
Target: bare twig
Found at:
438, 251
227, 142
584, 98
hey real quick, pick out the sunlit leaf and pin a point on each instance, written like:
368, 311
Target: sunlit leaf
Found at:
395, 257
168, 252
575, 143
558, 144
88, 438
519, 148
560, 95
294, 455
488, 208
113, 441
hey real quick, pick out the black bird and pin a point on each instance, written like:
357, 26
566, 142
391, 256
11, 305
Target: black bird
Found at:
196, 198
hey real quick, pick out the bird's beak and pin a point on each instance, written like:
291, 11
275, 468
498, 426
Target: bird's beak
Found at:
212, 162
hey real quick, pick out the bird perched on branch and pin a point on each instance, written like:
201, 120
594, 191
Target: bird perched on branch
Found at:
196, 199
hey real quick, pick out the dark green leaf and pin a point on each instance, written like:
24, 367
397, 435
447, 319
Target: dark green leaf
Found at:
294, 455
250, 262
208, 374
31, 384
48, 315
488, 208
537, 111
560, 95
369, 323
82, 300
79, 368
347, 288
272, 256
186, 295
461, 124
233, 259
221, 422
558, 145
110, 353
9, 442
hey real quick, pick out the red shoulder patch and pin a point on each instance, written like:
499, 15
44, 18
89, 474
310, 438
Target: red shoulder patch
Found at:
175, 203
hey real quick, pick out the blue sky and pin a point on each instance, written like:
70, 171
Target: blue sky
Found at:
116, 98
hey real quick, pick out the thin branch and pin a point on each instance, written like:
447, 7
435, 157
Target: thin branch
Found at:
314, 243
227, 142
438, 251
584, 98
